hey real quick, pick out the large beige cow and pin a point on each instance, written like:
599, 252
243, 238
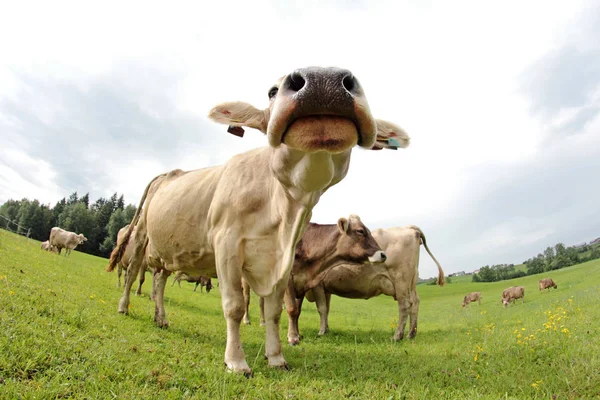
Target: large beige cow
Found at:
547, 283
397, 277
244, 218
321, 248
62, 239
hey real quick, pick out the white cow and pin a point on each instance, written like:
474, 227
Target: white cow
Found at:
62, 239
244, 218
46, 246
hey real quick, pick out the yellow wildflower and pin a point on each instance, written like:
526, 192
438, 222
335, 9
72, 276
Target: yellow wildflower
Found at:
92, 296
11, 292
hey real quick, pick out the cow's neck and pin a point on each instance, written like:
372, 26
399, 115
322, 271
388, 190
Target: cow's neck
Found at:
306, 176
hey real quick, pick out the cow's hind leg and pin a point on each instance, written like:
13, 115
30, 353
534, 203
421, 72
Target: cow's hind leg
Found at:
261, 303
160, 316
322, 300
134, 266
414, 315
403, 312
272, 316
119, 272
138, 292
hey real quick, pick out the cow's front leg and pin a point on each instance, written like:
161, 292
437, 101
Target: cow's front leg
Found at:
160, 316
272, 316
414, 315
403, 310
322, 301
293, 307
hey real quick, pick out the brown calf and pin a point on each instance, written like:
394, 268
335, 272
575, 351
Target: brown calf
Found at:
471, 297
203, 281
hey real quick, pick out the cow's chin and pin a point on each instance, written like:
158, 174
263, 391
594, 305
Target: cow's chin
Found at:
321, 133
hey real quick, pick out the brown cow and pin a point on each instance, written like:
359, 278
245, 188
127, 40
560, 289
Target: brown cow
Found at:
471, 297
62, 239
198, 280
397, 278
513, 293
244, 218
321, 248
124, 262
547, 283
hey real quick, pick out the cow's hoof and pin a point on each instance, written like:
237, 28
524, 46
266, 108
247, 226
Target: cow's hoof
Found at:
138, 293
239, 368
278, 362
123, 311
247, 322
294, 341
163, 324
262, 323
322, 332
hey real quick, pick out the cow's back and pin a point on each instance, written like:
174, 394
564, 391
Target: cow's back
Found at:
402, 248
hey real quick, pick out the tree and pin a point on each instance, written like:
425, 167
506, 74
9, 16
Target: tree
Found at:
121, 203
86, 200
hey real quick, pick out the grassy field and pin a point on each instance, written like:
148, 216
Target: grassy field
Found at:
61, 337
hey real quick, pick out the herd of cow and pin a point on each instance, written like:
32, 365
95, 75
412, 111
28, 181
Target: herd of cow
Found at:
247, 222
512, 293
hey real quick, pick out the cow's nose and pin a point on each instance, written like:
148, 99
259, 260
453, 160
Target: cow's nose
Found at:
383, 256
322, 82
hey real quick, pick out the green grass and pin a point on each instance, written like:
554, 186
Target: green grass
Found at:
61, 337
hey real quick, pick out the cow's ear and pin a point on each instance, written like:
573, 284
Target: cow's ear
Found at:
237, 114
343, 225
390, 136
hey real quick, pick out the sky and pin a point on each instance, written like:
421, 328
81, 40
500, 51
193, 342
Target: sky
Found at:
502, 103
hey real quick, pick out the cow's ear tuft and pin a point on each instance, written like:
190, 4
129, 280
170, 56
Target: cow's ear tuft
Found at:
237, 113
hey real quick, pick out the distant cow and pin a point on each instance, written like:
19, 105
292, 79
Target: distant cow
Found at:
62, 239
46, 246
513, 293
397, 277
198, 280
471, 297
547, 283
321, 248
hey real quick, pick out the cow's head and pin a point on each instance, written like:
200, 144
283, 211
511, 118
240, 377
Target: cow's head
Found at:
464, 303
314, 109
209, 286
356, 242
81, 238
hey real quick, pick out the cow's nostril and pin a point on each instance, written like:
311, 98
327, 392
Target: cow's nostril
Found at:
383, 256
349, 83
297, 82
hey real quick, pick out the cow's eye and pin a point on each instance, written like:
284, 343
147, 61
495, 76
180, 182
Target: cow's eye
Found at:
360, 232
273, 92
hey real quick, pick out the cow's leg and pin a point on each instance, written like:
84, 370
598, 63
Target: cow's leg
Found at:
261, 303
135, 264
142, 280
119, 272
403, 311
414, 315
160, 316
229, 271
246, 292
294, 308
272, 316
322, 300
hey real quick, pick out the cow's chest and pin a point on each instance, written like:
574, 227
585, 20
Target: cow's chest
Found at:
260, 255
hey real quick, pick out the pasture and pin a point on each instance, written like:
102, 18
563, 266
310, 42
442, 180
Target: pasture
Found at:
61, 337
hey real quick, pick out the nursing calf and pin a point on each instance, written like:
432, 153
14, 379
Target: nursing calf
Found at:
243, 219
321, 248
203, 281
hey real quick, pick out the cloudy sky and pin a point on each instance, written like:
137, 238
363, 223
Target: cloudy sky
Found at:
502, 102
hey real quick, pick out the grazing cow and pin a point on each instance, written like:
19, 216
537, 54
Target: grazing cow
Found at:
62, 239
321, 248
471, 297
125, 260
397, 277
198, 280
46, 246
547, 283
513, 293
244, 218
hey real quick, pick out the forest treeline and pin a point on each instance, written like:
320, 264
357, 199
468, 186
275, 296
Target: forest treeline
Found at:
99, 221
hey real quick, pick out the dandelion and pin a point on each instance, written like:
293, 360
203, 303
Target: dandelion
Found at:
2, 277
476, 357
92, 296
522, 329
11, 292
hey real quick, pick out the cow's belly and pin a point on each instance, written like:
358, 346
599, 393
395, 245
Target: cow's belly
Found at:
358, 282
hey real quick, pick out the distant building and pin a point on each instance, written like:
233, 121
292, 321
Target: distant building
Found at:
476, 271
595, 241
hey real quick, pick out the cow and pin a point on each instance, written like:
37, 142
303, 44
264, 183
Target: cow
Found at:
125, 260
244, 218
46, 246
198, 280
397, 277
547, 283
471, 297
62, 239
321, 248
513, 293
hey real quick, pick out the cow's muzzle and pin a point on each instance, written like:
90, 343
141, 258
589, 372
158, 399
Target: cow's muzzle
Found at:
378, 257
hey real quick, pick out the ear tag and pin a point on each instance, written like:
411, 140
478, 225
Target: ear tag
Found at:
393, 144
236, 130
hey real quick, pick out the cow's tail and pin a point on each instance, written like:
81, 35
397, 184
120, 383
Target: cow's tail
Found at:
441, 280
119, 250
